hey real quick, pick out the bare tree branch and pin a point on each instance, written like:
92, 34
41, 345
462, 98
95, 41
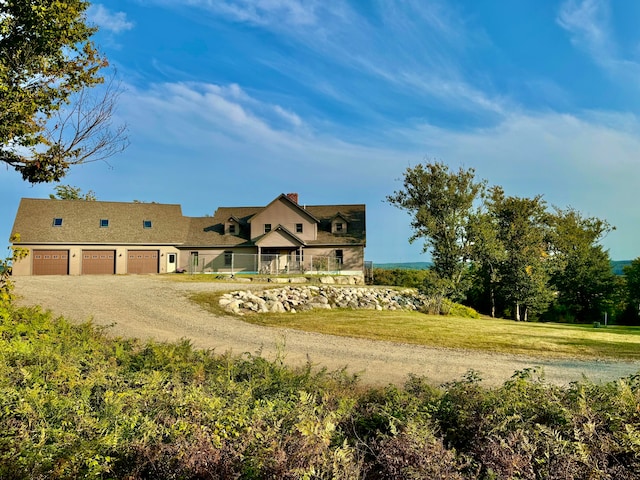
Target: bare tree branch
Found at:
79, 132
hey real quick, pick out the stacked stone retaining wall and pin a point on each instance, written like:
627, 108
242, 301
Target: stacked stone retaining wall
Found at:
307, 297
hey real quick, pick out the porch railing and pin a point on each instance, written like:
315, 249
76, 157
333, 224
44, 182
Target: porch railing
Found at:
266, 264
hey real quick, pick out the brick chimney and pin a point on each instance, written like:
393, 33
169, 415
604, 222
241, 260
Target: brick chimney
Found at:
293, 197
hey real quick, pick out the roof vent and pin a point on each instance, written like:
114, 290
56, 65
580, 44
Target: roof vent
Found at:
293, 197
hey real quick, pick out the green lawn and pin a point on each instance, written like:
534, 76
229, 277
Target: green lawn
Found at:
496, 335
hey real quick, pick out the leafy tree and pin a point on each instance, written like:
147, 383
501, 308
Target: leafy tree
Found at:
441, 205
488, 253
67, 192
524, 272
584, 281
48, 120
631, 315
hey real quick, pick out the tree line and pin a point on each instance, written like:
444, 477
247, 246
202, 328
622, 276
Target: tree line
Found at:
510, 256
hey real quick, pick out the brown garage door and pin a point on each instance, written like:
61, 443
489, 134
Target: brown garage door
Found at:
142, 261
51, 262
98, 262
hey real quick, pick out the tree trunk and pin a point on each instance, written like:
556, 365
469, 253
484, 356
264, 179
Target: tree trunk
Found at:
493, 303
517, 311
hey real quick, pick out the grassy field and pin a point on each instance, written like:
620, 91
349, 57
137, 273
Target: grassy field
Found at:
546, 340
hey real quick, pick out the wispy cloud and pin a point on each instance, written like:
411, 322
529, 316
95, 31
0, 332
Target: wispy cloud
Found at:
409, 47
226, 112
115, 22
551, 146
589, 25
259, 12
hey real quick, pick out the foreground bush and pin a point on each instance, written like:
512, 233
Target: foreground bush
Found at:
76, 404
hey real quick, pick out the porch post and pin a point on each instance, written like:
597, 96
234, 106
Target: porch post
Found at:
259, 260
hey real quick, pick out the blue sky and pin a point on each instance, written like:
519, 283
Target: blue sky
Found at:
232, 102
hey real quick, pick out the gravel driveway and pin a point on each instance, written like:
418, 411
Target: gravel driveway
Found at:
158, 308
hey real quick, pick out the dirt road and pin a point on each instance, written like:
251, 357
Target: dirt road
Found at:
156, 307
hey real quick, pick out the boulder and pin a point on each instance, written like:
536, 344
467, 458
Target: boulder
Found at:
304, 297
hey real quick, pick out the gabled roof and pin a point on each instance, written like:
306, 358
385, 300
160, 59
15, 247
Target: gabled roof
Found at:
287, 233
209, 231
81, 222
284, 197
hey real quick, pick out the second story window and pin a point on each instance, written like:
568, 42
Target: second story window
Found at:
104, 222
267, 227
298, 228
146, 224
57, 222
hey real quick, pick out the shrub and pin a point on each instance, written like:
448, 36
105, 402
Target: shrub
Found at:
458, 310
401, 277
75, 403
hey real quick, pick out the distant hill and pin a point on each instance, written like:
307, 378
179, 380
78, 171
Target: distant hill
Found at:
405, 266
616, 265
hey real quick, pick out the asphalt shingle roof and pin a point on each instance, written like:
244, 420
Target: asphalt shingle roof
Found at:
81, 223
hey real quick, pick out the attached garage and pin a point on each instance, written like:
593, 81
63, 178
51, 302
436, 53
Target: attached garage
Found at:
143, 261
98, 262
51, 262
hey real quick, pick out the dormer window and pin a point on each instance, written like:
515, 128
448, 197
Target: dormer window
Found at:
232, 229
57, 222
338, 225
146, 224
104, 222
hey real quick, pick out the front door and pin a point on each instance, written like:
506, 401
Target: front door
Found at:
172, 260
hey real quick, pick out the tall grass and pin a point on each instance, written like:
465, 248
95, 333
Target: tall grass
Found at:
75, 403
